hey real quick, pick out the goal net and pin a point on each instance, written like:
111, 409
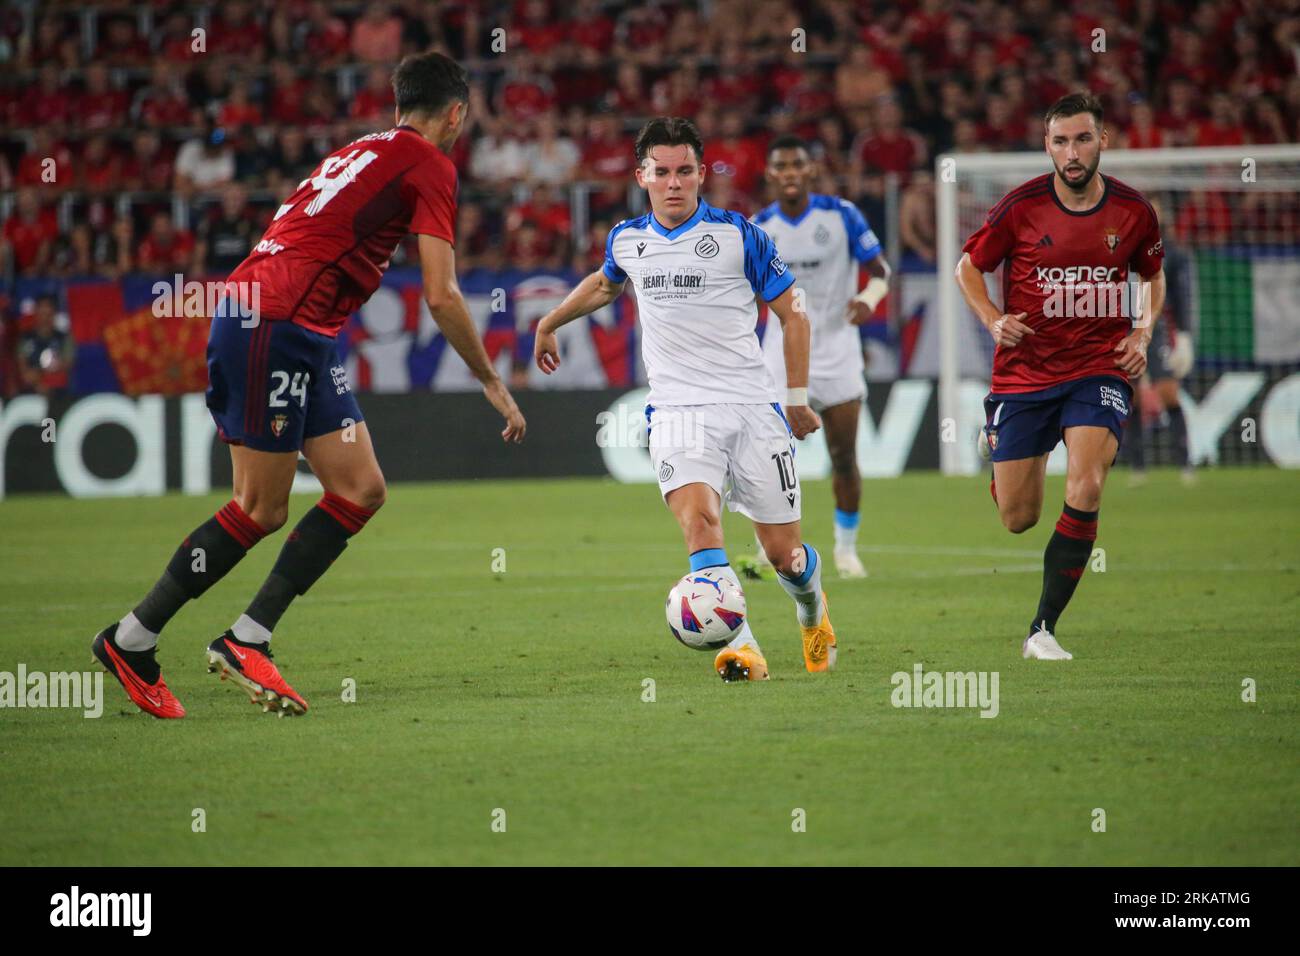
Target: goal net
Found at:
1230, 222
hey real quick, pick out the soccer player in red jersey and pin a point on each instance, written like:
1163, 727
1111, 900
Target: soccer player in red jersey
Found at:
1065, 350
277, 385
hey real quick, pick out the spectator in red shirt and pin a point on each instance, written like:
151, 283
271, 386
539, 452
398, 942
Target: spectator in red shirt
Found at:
288, 91
120, 45
734, 85
176, 39
545, 210
100, 170
326, 42
373, 104
29, 233
678, 93
33, 168
377, 35
235, 32
163, 101
1224, 127
100, 107
49, 103
890, 148
629, 97
735, 155
1143, 133
149, 167
524, 93
165, 248
590, 28
539, 32
239, 109
607, 159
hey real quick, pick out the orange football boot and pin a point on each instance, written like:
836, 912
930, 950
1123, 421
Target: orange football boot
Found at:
131, 669
740, 663
819, 648
251, 667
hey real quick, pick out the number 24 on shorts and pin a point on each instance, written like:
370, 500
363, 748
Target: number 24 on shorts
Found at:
297, 388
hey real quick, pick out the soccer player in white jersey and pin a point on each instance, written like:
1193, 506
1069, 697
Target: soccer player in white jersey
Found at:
718, 427
823, 239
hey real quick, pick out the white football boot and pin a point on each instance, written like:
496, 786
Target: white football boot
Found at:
1041, 645
848, 564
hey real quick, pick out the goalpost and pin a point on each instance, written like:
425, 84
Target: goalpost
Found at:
1234, 212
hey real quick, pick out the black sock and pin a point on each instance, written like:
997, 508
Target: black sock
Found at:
1137, 446
311, 548
203, 559
1178, 426
1064, 562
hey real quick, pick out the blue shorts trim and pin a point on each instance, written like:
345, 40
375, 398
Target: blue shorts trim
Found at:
1029, 424
272, 385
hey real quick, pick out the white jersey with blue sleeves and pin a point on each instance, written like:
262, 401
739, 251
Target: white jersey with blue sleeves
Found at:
695, 289
823, 247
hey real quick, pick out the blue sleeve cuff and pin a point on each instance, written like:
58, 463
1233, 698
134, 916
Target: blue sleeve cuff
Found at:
778, 285
614, 274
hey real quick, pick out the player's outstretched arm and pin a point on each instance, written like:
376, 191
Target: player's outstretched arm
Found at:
797, 334
594, 292
447, 306
1006, 328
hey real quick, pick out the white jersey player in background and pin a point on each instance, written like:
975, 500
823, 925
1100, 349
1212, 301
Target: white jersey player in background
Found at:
717, 427
823, 239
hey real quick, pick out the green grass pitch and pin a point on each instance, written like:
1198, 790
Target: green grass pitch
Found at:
522, 691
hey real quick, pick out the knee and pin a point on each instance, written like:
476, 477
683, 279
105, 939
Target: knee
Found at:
373, 495
785, 558
269, 516
1019, 520
844, 463
1084, 493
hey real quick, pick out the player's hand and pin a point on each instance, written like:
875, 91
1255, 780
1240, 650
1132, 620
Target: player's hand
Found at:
858, 312
501, 399
1133, 352
546, 351
1181, 356
1010, 329
803, 420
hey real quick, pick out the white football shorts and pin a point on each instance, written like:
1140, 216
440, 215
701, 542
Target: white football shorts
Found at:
743, 452
836, 375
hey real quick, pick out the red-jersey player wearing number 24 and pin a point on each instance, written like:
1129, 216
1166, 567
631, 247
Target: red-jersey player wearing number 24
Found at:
276, 386
1065, 344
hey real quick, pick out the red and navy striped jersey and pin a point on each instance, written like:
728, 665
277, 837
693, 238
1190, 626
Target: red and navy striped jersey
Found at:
1053, 255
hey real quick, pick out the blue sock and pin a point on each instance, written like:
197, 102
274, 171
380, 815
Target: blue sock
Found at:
708, 558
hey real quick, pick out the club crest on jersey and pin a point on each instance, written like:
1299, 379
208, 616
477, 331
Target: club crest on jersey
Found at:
706, 248
1111, 239
821, 236
277, 424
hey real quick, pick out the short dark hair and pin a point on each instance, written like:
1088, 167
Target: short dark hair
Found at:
668, 131
1072, 104
426, 82
787, 141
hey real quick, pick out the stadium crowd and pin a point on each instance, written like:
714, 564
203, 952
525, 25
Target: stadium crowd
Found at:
160, 136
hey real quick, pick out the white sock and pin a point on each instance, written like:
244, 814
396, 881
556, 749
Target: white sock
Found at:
133, 636
746, 636
846, 531
846, 539
249, 631
807, 596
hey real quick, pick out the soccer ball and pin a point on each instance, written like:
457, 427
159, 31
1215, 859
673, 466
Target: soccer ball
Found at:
705, 610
